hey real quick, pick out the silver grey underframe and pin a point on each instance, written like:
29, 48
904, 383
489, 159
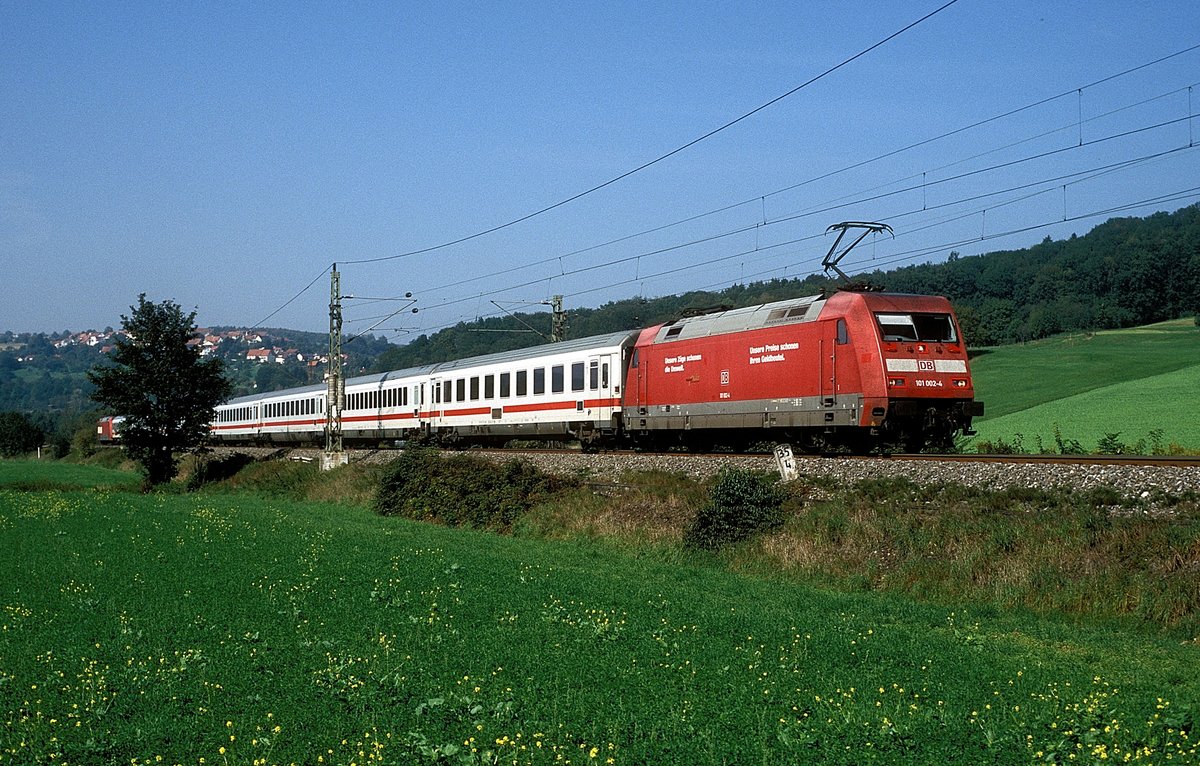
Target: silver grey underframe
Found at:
807, 412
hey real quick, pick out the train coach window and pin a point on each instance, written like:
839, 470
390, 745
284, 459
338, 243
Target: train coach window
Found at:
475, 388
577, 376
539, 380
522, 382
460, 390
557, 380
505, 384
934, 328
446, 392
594, 375
489, 387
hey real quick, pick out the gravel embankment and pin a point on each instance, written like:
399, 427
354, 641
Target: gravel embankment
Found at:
1128, 481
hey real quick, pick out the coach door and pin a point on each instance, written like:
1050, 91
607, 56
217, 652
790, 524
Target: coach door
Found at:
599, 381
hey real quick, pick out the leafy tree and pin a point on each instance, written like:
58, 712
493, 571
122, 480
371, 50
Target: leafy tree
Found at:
273, 377
161, 385
18, 434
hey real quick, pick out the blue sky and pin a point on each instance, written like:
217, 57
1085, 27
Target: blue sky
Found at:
222, 155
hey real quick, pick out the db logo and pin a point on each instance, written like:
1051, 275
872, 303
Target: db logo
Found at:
925, 365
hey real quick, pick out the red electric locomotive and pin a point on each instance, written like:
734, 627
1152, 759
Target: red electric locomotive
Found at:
854, 370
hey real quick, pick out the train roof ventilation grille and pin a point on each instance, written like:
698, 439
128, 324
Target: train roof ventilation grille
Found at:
782, 315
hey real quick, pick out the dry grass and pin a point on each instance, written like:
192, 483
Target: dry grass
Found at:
628, 514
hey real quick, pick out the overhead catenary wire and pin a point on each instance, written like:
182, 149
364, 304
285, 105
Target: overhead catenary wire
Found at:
789, 218
852, 199
1176, 196
761, 197
1079, 177
911, 255
289, 301
661, 157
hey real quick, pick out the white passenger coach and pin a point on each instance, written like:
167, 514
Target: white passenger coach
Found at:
566, 390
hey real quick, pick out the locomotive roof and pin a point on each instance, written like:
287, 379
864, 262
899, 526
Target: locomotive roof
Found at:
790, 311
532, 352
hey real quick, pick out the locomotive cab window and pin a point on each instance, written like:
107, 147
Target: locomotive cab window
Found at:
933, 328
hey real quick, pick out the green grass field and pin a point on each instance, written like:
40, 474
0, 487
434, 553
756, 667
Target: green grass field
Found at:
1129, 382
52, 474
237, 629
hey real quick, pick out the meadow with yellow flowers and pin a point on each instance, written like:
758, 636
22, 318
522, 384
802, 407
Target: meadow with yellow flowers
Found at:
247, 629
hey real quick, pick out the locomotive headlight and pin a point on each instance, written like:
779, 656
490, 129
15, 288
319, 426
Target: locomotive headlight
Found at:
960, 383
895, 381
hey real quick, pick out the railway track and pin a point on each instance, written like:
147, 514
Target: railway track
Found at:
1160, 461
1139, 477
1154, 461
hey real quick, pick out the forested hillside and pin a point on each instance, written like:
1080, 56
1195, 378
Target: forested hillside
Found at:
1125, 272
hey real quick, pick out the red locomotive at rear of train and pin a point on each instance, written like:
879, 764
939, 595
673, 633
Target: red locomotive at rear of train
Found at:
108, 429
854, 370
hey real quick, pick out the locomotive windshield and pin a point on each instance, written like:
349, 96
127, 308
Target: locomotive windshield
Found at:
932, 328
